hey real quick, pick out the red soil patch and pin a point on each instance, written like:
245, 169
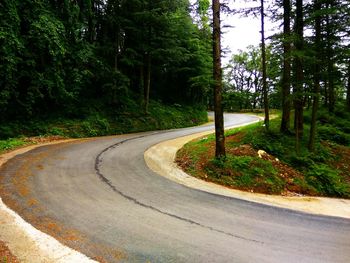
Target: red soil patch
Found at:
6, 255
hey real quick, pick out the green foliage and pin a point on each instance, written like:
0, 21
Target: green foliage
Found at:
334, 127
243, 79
60, 58
321, 175
327, 181
246, 172
99, 122
331, 133
11, 143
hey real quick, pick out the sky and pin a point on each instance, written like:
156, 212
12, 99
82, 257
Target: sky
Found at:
243, 31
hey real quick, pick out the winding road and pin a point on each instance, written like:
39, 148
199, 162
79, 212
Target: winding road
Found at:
99, 197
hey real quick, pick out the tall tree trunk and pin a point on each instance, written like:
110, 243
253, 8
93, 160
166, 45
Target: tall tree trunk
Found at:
286, 82
326, 97
147, 63
141, 83
91, 26
299, 76
217, 74
147, 81
348, 89
263, 55
316, 91
116, 54
330, 66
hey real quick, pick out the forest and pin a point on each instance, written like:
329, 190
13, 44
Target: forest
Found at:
74, 58
88, 68
77, 59
98, 67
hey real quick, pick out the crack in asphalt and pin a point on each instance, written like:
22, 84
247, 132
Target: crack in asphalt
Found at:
105, 180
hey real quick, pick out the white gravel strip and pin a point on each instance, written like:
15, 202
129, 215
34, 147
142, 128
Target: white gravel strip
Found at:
32, 245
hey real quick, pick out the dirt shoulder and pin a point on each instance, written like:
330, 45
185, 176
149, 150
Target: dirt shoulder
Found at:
161, 159
6, 255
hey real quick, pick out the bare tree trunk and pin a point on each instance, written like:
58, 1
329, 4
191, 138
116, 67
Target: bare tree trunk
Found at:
299, 76
91, 26
116, 54
330, 67
326, 97
141, 83
147, 81
285, 123
263, 54
348, 89
217, 74
316, 91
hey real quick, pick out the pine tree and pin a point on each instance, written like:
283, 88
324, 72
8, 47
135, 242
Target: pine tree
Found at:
299, 75
317, 73
217, 73
286, 78
264, 76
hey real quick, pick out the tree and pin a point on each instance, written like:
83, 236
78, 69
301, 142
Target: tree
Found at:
217, 75
243, 80
299, 75
11, 49
316, 90
286, 81
57, 56
264, 76
348, 88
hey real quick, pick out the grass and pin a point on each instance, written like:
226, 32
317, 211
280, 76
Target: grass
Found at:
245, 172
102, 122
323, 172
12, 143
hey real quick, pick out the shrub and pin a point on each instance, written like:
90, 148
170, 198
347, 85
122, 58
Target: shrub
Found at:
331, 133
247, 172
11, 143
327, 181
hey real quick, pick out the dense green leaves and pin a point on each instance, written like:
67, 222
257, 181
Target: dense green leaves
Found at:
59, 57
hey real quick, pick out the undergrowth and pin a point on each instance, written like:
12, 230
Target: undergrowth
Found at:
321, 171
97, 122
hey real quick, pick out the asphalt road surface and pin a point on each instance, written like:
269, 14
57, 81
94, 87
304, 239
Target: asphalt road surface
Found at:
98, 196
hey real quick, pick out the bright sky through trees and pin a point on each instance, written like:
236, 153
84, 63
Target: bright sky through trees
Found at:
239, 31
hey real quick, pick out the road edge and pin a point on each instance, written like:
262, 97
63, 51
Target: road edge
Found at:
26, 242
160, 158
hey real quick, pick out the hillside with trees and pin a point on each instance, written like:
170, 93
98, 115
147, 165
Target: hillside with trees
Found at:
92, 67
74, 60
302, 70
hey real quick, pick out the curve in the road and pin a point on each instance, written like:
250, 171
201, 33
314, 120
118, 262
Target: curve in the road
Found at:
98, 162
99, 197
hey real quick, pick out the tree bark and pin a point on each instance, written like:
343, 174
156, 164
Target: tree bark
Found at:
91, 26
316, 91
330, 67
263, 55
217, 74
286, 82
299, 76
348, 89
141, 83
116, 54
147, 81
